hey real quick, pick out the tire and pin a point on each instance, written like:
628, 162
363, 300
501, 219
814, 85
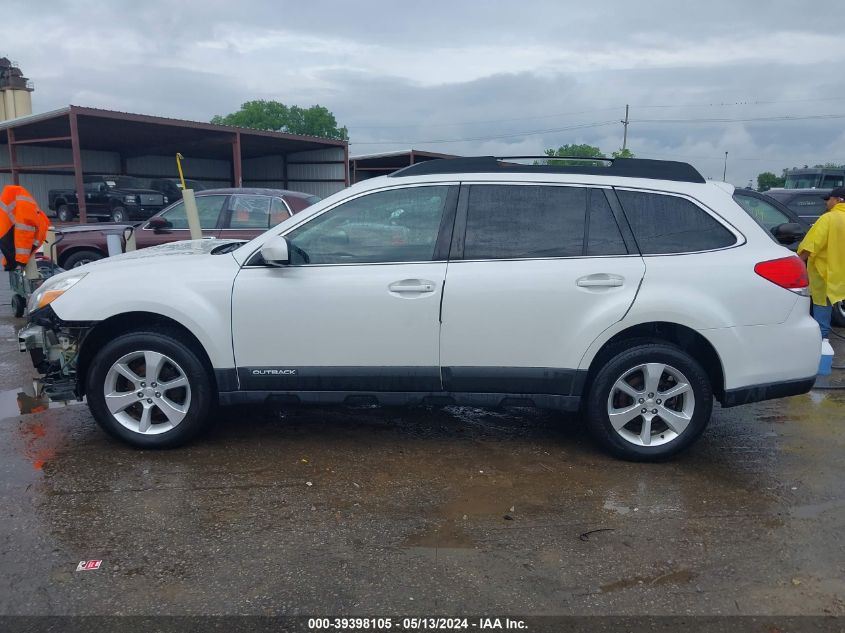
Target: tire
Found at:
64, 214
687, 413
176, 415
18, 306
118, 214
80, 258
838, 317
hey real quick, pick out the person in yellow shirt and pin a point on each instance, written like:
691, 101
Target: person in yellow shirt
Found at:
823, 249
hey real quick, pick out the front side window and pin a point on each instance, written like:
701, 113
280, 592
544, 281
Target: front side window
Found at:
399, 225
209, 208
664, 224
763, 213
831, 181
522, 221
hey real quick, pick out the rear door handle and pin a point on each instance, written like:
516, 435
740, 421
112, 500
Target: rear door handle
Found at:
600, 280
412, 286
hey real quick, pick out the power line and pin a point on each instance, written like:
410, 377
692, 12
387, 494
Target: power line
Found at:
679, 106
488, 138
476, 121
745, 120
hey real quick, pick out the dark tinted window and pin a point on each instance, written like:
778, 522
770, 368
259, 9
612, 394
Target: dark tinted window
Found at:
604, 236
507, 221
668, 224
400, 225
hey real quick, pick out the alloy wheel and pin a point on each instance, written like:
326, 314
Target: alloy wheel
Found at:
147, 392
651, 404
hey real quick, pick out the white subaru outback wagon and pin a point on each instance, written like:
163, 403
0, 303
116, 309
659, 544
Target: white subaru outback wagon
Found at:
635, 293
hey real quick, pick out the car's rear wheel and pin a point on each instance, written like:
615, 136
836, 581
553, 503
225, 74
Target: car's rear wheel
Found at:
118, 214
80, 258
63, 213
649, 402
838, 317
150, 389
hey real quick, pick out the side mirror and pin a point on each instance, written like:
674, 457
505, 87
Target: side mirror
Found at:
788, 232
159, 224
276, 251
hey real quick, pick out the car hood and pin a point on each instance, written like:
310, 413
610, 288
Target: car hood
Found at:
183, 248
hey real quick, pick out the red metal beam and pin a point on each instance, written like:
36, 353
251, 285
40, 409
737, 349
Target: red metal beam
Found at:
237, 175
29, 141
346, 164
77, 167
13, 157
56, 167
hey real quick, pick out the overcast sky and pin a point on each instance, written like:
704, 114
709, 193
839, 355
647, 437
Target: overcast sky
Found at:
467, 77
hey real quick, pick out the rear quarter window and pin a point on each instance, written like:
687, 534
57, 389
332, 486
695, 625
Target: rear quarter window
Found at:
664, 224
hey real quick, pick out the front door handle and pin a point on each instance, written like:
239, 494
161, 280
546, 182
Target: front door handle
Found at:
412, 286
600, 280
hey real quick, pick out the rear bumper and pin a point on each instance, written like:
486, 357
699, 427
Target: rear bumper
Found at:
770, 391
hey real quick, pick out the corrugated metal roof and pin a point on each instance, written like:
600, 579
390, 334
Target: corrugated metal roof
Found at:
34, 118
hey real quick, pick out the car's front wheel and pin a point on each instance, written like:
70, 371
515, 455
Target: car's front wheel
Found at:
80, 258
649, 402
150, 389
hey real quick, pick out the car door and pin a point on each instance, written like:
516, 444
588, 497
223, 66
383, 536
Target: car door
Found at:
96, 196
537, 273
210, 210
358, 307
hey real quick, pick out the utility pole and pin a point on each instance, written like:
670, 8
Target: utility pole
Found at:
625, 127
725, 173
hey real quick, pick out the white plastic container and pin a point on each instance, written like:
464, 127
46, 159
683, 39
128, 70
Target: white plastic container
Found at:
826, 361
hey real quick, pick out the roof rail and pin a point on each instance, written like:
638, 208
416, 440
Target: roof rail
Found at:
624, 167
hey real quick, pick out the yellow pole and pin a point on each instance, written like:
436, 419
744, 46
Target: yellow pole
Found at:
179, 159
191, 210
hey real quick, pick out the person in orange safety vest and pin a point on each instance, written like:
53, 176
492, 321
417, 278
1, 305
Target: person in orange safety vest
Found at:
29, 226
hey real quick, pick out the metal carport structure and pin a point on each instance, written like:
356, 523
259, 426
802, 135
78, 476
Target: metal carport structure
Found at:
372, 165
53, 150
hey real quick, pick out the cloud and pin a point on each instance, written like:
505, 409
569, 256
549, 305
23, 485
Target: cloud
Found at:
514, 78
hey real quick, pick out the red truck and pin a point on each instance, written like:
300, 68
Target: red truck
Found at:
242, 213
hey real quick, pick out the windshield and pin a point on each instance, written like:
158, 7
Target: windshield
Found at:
801, 181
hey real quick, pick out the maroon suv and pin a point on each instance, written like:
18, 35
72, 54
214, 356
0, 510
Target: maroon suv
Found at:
224, 213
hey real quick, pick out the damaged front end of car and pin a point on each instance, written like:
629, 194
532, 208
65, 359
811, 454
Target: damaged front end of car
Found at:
54, 347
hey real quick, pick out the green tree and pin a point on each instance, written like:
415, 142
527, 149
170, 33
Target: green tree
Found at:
623, 153
278, 117
574, 149
767, 180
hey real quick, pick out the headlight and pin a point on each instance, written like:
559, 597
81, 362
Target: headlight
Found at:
50, 291
166, 200
130, 199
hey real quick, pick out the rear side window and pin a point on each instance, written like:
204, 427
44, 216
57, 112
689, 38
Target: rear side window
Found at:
665, 224
520, 221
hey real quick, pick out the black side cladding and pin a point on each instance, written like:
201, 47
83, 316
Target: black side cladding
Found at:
619, 167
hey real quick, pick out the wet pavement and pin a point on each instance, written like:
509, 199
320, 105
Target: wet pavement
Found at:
382, 511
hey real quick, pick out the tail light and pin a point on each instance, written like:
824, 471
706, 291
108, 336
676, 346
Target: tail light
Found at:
786, 272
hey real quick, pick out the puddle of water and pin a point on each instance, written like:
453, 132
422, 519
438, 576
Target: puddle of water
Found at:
17, 402
446, 536
670, 578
